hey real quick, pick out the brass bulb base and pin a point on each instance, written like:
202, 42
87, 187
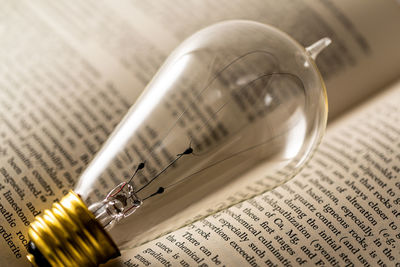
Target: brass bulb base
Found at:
69, 235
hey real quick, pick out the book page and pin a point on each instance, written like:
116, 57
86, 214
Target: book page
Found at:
341, 210
139, 35
70, 70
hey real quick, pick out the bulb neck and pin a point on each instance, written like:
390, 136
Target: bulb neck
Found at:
69, 235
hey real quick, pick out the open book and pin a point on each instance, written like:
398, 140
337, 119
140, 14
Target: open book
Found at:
70, 70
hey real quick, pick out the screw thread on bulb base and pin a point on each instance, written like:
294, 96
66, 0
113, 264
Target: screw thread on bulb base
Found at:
69, 235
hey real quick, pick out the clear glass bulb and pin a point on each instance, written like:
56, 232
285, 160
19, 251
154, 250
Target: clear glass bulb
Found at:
234, 97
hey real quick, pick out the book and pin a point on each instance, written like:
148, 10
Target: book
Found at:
69, 71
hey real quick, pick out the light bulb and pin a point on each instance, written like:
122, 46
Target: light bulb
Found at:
235, 97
